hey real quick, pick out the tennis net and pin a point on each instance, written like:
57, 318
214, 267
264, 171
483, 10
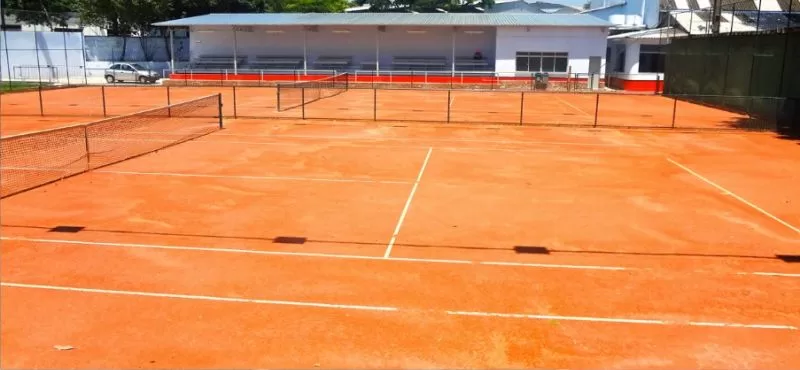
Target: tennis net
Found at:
297, 94
28, 161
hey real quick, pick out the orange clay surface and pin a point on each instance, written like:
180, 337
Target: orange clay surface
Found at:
272, 244
60, 106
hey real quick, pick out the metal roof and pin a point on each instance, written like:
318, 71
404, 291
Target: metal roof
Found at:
388, 19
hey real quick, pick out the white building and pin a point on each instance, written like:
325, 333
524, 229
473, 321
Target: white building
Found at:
511, 44
637, 44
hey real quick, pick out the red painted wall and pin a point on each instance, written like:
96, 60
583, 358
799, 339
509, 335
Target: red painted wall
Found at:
636, 85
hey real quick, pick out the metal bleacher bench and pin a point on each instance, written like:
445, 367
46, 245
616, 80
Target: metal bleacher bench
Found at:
276, 62
335, 63
425, 63
470, 63
216, 62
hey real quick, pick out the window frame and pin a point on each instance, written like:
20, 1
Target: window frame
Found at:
652, 58
544, 62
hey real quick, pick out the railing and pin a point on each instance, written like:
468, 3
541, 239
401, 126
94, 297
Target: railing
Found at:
395, 79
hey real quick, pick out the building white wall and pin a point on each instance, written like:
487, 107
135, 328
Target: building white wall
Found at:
360, 43
632, 57
632, 47
579, 42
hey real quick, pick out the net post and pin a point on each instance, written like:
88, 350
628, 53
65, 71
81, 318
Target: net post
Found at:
374, 104
103, 93
448, 105
219, 109
521, 106
234, 102
596, 108
41, 104
674, 109
303, 102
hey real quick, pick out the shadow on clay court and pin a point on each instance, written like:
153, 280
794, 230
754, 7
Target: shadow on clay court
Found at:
299, 240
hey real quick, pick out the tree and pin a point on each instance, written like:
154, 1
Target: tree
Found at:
316, 6
427, 6
50, 12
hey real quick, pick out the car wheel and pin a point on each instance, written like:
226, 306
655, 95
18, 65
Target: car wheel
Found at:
110, 79
143, 79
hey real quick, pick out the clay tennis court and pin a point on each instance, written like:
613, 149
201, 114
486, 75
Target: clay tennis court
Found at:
273, 244
62, 106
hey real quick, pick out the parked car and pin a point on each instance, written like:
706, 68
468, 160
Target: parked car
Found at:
130, 72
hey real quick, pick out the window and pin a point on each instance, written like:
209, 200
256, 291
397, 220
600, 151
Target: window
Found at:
652, 58
542, 62
620, 66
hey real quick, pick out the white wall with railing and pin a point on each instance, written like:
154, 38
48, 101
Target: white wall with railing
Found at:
362, 43
580, 43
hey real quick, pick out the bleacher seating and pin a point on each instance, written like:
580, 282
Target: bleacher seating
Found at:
277, 62
471, 64
333, 63
216, 62
419, 63
369, 65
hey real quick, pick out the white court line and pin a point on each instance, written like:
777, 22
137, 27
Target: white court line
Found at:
407, 205
728, 192
423, 139
760, 273
620, 320
390, 308
545, 265
297, 254
573, 107
452, 99
202, 297
391, 147
247, 177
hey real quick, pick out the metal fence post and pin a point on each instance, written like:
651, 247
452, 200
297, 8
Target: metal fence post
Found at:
596, 108
103, 93
234, 102
219, 109
169, 103
674, 110
41, 104
279, 96
303, 102
448, 105
66, 57
374, 104
521, 106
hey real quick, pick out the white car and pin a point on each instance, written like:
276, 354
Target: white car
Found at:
130, 72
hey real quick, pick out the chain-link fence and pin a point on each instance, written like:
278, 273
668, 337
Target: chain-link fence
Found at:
508, 107
718, 69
